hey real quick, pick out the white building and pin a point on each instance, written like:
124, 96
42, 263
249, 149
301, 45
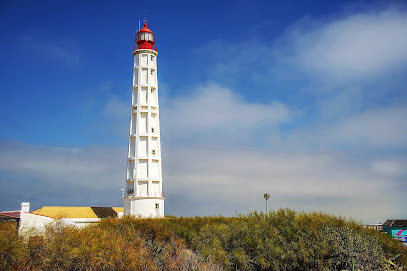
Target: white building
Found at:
35, 222
27, 223
143, 196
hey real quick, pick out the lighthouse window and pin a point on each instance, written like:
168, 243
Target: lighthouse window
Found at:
153, 152
151, 72
152, 130
152, 58
157, 206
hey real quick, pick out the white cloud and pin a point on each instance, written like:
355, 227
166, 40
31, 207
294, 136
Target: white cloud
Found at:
94, 167
222, 181
217, 114
376, 128
390, 168
379, 129
345, 68
353, 47
354, 68
356, 47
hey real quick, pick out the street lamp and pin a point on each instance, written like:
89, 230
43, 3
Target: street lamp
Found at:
266, 196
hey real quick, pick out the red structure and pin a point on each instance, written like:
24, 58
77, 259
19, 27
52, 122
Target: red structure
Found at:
145, 39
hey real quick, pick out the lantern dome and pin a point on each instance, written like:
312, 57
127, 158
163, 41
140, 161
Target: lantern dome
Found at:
145, 29
145, 38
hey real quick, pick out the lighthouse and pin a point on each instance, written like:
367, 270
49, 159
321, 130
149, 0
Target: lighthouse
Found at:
143, 196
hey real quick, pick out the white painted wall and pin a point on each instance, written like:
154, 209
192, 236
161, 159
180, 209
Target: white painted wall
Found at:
80, 222
36, 224
31, 223
144, 207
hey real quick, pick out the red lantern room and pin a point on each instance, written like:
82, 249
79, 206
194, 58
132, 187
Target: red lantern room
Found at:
145, 38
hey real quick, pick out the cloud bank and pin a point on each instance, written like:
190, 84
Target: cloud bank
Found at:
202, 181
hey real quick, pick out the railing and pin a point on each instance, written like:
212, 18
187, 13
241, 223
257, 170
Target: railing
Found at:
130, 193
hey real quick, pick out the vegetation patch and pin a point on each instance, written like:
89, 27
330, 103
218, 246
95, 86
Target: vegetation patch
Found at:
280, 240
288, 240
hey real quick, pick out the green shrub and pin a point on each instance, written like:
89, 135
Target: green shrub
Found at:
287, 240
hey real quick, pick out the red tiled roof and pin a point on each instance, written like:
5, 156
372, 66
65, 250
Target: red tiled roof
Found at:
15, 214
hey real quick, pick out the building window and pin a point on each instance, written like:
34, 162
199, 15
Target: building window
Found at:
153, 152
152, 58
152, 130
151, 72
152, 90
157, 206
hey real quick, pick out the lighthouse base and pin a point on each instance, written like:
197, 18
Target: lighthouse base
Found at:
144, 207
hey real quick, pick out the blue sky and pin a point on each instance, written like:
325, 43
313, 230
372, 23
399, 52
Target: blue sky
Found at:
303, 100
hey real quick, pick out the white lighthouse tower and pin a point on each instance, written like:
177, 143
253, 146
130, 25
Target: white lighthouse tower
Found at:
143, 194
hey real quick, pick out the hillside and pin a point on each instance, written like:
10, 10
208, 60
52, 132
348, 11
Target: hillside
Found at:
281, 240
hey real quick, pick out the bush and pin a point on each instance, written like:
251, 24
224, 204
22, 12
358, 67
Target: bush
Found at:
12, 248
287, 240
280, 240
112, 245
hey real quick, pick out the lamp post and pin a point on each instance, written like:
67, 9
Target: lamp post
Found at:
266, 196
